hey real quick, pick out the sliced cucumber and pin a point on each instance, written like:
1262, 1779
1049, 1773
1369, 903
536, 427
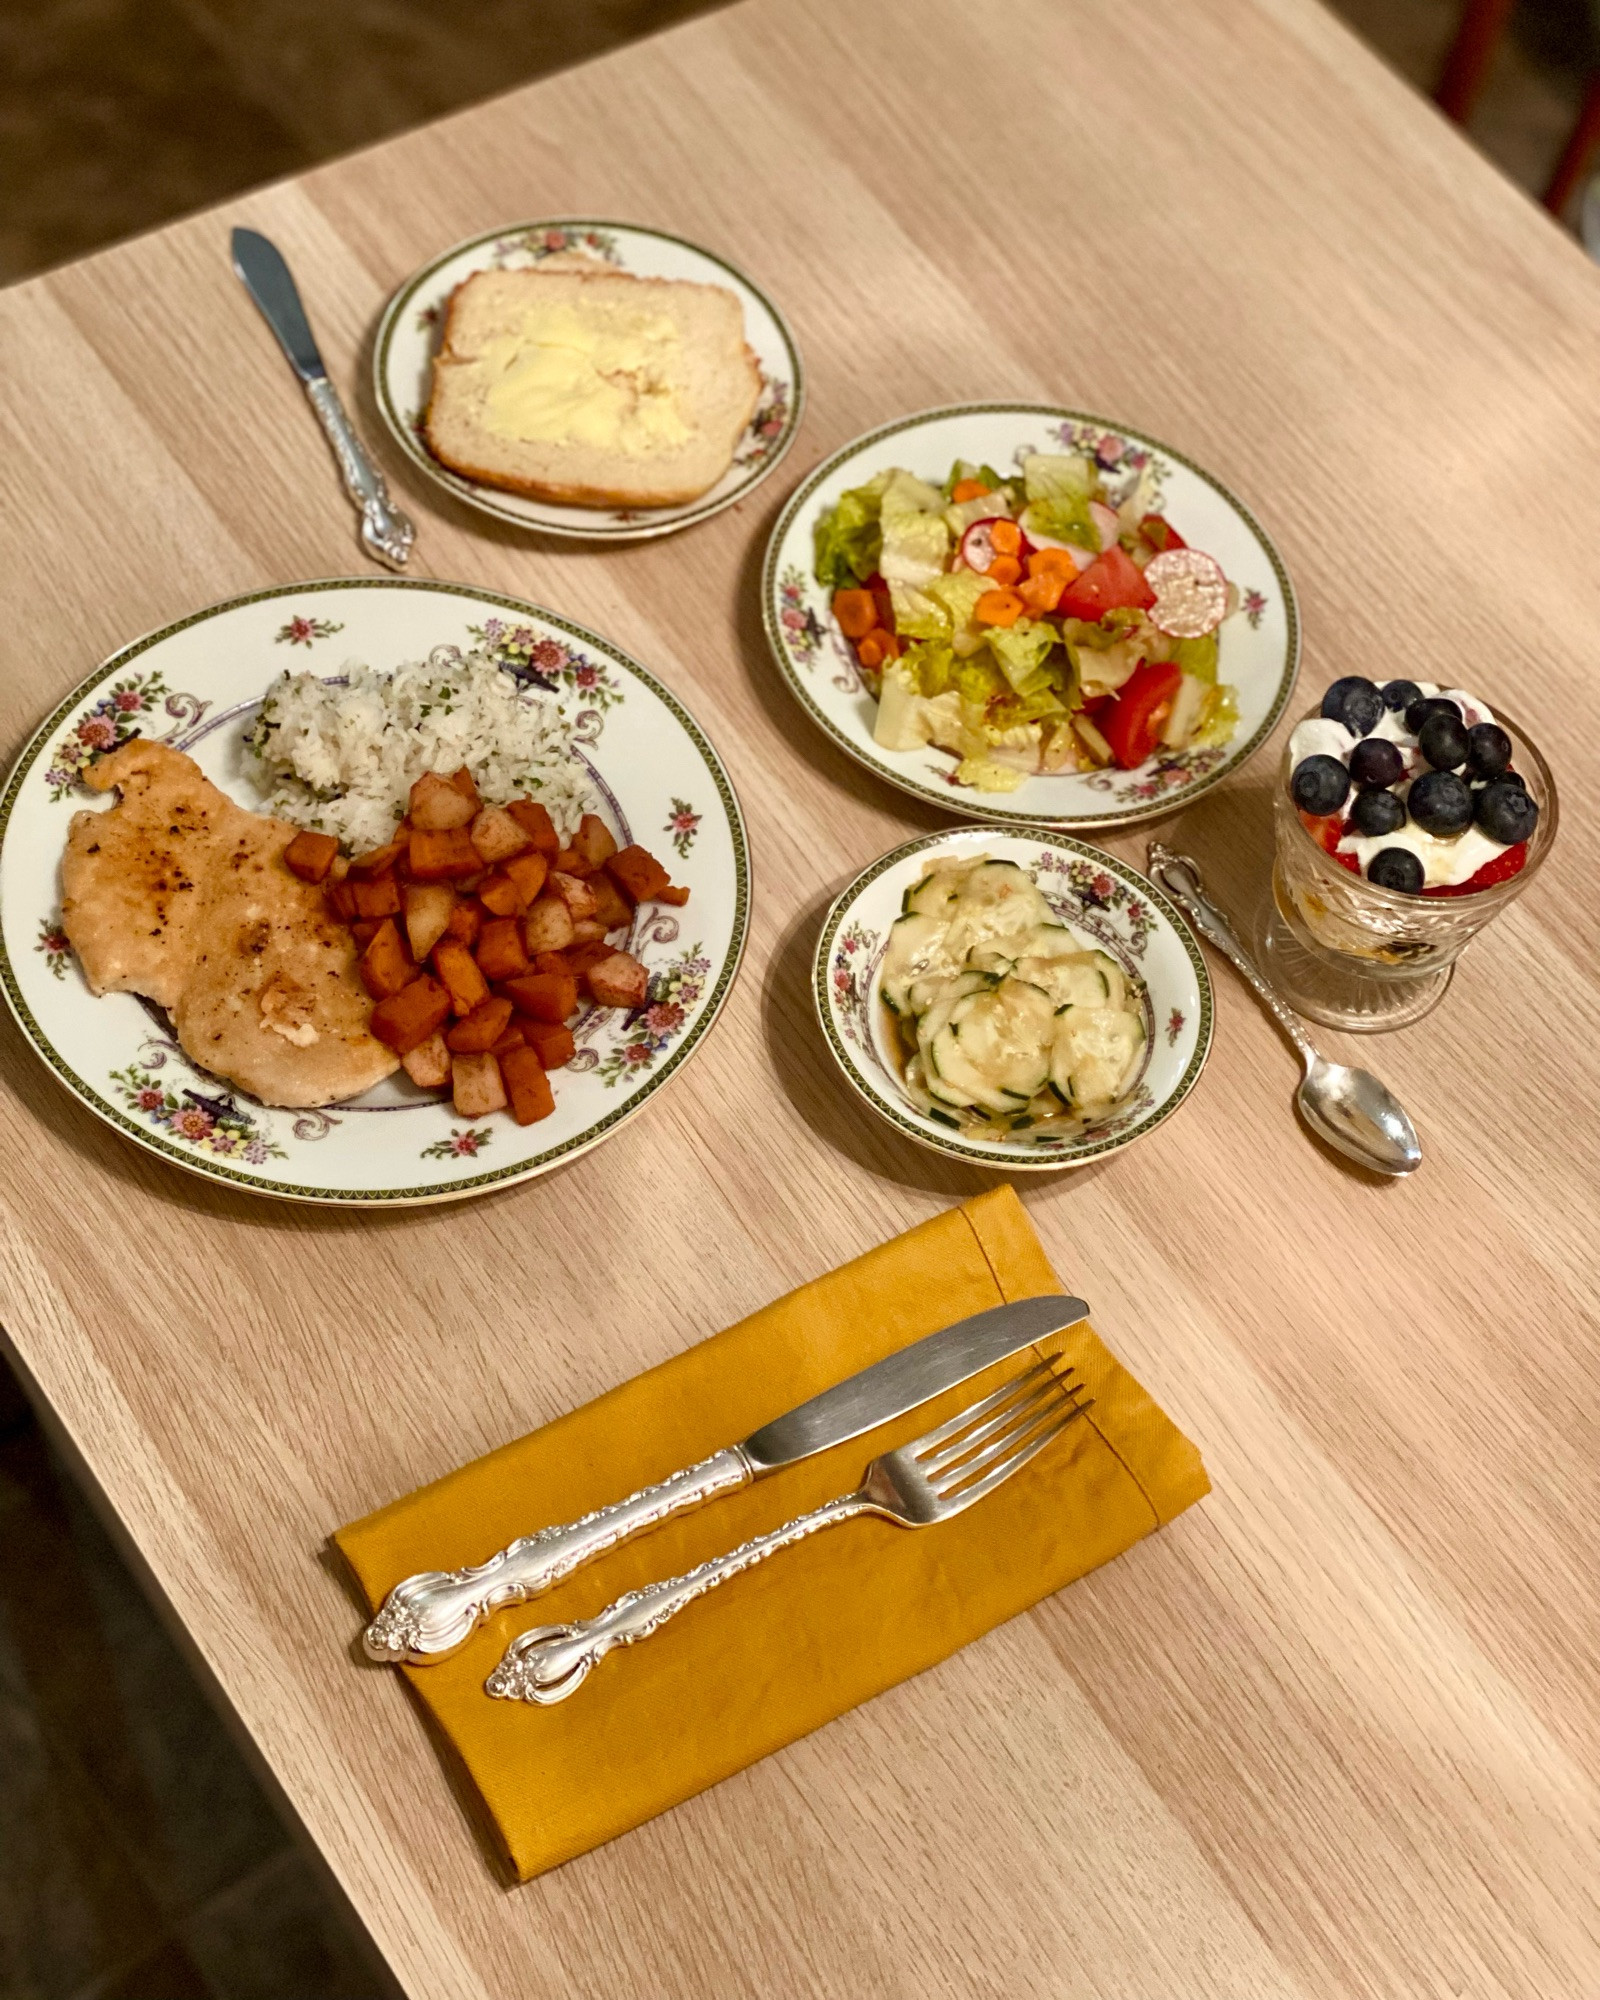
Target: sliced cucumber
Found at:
1052, 941
997, 962
951, 994
1071, 982
1116, 979
997, 908
1007, 1036
914, 949
935, 895
949, 1066
1096, 1049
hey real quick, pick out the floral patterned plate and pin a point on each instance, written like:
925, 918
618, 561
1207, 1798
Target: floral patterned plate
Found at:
1111, 908
409, 334
197, 685
1260, 643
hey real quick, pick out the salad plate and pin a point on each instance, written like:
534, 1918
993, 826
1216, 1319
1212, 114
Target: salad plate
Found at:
1107, 906
1240, 671
413, 323
198, 685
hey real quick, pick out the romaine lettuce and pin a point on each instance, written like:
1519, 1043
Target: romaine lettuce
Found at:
1197, 656
1059, 486
848, 537
940, 607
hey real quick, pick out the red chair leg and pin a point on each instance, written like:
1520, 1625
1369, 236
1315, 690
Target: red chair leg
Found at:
1580, 149
1467, 64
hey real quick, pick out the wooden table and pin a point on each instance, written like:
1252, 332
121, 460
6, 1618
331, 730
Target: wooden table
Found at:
1334, 1733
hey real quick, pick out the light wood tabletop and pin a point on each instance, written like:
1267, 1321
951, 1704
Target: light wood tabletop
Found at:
1335, 1732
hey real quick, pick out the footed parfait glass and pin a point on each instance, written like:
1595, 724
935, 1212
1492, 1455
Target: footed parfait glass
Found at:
1352, 955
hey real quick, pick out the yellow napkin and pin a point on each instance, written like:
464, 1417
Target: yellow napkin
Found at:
789, 1645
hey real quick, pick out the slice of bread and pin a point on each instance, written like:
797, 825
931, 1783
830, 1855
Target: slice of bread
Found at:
591, 388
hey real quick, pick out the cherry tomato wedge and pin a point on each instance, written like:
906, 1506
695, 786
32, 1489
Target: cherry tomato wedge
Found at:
1132, 726
1112, 582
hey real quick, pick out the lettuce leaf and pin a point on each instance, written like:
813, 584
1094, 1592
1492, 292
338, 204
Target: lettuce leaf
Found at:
848, 536
965, 469
1219, 718
1021, 650
1197, 656
1059, 486
939, 608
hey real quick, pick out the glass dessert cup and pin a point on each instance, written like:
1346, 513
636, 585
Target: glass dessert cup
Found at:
1352, 955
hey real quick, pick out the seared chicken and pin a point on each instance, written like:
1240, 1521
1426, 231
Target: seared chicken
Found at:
181, 895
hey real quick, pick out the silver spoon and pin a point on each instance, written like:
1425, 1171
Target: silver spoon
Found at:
1347, 1107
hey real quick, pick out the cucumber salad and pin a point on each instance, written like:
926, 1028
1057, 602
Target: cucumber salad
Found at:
1033, 624
1004, 1019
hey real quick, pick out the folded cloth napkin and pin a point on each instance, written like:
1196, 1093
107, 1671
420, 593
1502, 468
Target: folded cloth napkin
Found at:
793, 1643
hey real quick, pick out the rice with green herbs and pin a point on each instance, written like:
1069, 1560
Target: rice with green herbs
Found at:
342, 759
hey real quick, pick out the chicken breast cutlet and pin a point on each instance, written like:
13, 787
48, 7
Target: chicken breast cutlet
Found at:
181, 895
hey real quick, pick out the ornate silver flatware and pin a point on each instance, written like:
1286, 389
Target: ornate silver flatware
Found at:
429, 1615
386, 533
929, 1480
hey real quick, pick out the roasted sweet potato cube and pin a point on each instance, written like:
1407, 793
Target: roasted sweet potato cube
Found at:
528, 871
463, 981
673, 895
550, 961
571, 862
428, 906
444, 856
378, 897
496, 835
551, 1043
547, 926
513, 1038
619, 980
378, 860
341, 899
466, 922
310, 855
536, 823
475, 1080
428, 1064
544, 996
481, 1029
365, 929
531, 1095
462, 780
500, 896
611, 908
589, 931
638, 873
500, 950
575, 893
407, 1018
386, 964
580, 957
437, 806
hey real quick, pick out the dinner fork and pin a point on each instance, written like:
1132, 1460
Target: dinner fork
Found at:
933, 1478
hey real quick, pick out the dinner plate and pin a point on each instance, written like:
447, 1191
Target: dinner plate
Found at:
197, 685
1107, 904
1259, 644
412, 324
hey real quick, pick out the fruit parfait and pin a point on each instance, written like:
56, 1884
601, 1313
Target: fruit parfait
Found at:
1408, 815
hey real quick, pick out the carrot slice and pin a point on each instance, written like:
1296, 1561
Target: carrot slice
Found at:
1005, 571
968, 489
872, 651
1005, 537
1045, 562
998, 607
855, 611
1042, 593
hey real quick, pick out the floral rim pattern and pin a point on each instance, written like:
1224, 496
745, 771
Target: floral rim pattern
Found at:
121, 712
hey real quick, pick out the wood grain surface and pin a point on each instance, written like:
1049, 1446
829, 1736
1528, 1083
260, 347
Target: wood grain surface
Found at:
1337, 1731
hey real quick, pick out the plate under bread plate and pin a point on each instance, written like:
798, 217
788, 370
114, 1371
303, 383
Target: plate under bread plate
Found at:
197, 685
410, 330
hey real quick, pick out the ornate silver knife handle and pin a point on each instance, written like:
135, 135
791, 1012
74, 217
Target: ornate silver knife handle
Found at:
386, 533
430, 1615
549, 1664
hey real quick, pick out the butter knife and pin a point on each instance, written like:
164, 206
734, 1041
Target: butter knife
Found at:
428, 1616
386, 533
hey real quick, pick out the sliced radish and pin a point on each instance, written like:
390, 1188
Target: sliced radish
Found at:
977, 550
1191, 593
1107, 526
1081, 557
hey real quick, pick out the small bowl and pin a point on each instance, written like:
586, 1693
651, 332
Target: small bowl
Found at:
1109, 905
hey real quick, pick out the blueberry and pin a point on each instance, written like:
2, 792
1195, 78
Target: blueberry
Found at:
1353, 701
1319, 785
1488, 750
1396, 868
1513, 778
1376, 761
1440, 803
1442, 739
1401, 694
1377, 813
1506, 812
1417, 712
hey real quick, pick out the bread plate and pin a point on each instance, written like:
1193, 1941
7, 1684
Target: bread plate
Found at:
412, 324
1259, 644
197, 685
1109, 907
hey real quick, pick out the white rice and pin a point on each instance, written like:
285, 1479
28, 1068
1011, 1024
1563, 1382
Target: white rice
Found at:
342, 760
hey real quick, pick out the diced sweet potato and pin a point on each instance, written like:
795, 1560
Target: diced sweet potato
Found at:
496, 835
551, 1043
428, 906
428, 1064
500, 952
481, 1029
550, 961
589, 931
531, 1095
341, 899
675, 896
365, 929
463, 981
547, 926
500, 896
576, 894
386, 964
619, 980
544, 996
475, 1080
310, 855
580, 957
436, 857
528, 871
611, 908
466, 922
437, 806
462, 780
377, 898
638, 873
407, 1018
536, 823
378, 860
513, 1038
571, 862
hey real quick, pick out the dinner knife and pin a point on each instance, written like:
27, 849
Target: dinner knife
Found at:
428, 1616
386, 533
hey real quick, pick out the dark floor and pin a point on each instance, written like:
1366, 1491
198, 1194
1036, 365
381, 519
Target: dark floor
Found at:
139, 1860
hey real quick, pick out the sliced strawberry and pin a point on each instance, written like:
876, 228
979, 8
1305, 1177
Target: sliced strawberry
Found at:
1501, 869
1327, 832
